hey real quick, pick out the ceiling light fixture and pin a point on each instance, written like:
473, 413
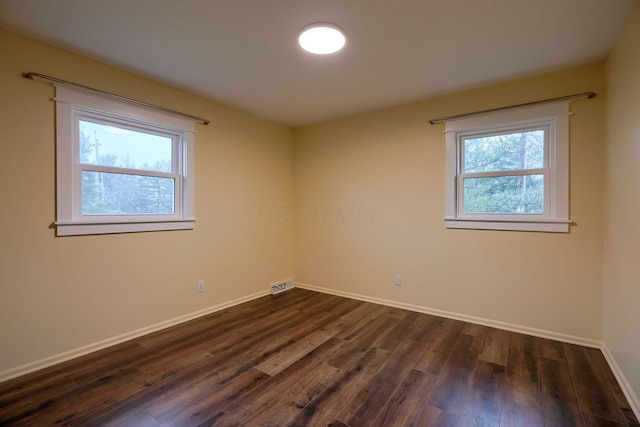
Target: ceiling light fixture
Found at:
322, 38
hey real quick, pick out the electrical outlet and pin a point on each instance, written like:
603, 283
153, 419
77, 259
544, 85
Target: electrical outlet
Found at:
397, 280
200, 285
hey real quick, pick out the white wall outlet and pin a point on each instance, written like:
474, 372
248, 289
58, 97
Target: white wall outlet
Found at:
200, 285
397, 280
278, 287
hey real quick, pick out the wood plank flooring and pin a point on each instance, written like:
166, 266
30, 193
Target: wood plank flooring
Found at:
302, 358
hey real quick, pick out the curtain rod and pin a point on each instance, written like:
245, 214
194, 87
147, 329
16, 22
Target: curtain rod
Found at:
31, 76
587, 95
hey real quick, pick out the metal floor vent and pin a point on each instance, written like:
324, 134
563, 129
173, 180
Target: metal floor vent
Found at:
280, 287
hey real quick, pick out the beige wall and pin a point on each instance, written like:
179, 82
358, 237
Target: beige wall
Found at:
59, 294
369, 203
622, 204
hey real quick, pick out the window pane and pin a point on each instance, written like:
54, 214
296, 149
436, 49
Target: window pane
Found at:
504, 194
109, 145
116, 194
513, 151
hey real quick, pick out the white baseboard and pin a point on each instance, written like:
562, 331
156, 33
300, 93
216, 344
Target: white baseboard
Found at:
463, 317
632, 398
81, 351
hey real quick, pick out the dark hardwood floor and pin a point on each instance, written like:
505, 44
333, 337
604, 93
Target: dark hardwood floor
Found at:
304, 359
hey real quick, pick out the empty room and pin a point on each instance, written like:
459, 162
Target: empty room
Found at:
312, 213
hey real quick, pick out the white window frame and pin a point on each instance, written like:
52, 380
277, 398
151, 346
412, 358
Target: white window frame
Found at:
554, 118
73, 105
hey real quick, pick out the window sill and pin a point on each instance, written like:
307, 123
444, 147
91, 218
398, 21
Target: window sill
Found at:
86, 228
546, 226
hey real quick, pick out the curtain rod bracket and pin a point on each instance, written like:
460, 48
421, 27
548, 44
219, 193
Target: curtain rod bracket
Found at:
587, 95
32, 76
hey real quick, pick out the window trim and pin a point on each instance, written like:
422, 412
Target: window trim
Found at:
556, 215
74, 104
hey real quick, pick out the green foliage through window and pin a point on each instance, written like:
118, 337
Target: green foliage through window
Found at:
113, 193
106, 193
512, 151
487, 189
504, 194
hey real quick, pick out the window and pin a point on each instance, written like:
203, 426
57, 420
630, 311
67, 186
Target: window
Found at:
121, 168
509, 170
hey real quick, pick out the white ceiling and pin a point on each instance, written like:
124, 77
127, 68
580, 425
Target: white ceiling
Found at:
243, 53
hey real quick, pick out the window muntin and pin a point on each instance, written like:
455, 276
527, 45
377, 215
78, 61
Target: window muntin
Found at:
509, 170
121, 168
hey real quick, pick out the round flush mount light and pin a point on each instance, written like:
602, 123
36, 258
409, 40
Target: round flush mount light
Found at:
322, 38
